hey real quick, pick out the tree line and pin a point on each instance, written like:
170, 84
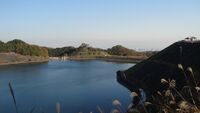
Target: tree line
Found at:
73, 51
23, 48
117, 50
120, 50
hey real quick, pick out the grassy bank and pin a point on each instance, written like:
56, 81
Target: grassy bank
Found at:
13, 58
23, 62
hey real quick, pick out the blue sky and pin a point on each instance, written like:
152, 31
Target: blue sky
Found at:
137, 24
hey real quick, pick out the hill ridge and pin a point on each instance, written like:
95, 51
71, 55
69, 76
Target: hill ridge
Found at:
147, 74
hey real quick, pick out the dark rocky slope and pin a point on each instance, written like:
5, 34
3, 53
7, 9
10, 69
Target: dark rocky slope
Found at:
148, 73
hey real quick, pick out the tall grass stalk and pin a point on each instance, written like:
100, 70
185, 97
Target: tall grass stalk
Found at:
185, 99
58, 108
13, 96
99, 109
32, 110
188, 83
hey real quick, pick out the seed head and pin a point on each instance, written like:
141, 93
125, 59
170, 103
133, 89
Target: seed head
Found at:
184, 105
180, 66
163, 81
115, 111
159, 93
167, 93
133, 110
147, 103
58, 107
130, 106
116, 102
198, 89
172, 102
190, 69
134, 94
172, 83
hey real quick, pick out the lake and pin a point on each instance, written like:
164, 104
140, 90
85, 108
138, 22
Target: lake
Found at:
79, 86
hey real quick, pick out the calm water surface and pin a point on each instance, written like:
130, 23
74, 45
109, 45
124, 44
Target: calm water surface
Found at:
76, 85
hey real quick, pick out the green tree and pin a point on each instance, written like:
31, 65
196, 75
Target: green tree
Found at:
23, 48
123, 51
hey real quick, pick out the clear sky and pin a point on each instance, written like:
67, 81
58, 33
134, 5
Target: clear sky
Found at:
146, 24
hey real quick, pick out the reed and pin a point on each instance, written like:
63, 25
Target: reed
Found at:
173, 99
58, 108
13, 96
32, 110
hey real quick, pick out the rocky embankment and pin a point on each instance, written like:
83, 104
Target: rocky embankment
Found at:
13, 58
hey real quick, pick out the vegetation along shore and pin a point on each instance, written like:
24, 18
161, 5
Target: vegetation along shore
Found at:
18, 51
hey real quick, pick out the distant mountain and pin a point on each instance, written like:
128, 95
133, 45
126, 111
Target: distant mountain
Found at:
148, 73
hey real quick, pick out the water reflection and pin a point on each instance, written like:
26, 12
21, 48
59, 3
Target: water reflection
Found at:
76, 85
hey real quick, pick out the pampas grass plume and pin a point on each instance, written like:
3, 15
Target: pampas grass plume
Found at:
134, 94
116, 102
190, 69
180, 66
163, 81
115, 111
58, 107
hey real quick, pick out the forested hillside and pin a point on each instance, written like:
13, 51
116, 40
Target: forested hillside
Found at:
84, 50
23, 48
120, 50
87, 50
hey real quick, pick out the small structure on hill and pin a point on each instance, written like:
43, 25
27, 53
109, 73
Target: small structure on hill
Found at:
84, 45
191, 39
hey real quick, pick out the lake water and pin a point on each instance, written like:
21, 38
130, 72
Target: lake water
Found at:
76, 85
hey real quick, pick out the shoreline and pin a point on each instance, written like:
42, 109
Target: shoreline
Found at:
120, 60
23, 62
123, 60
104, 58
14, 59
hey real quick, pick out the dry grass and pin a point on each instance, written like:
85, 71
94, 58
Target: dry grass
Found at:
173, 99
13, 97
170, 100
